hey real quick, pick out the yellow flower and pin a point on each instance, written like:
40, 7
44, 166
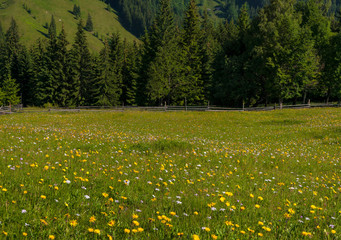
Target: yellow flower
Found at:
51, 237
136, 223
260, 198
260, 234
5, 233
173, 213
43, 197
110, 237
111, 223
135, 216
306, 233
260, 223
90, 229
291, 211
242, 232
196, 213
222, 199
140, 229
134, 230
4, 189
214, 236
24, 234
195, 237
73, 223
242, 208
257, 206
251, 195
105, 195
97, 231
333, 231
126, 230
207, 229
92, 219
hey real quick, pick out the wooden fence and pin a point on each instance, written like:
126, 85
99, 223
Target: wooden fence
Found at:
19, 108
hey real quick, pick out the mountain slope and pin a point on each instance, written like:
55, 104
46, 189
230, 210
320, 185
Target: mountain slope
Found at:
33, 16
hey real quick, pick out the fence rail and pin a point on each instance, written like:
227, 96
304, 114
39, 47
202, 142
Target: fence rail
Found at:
19, 108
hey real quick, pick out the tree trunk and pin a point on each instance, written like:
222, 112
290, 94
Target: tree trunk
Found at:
281, 103
304, 96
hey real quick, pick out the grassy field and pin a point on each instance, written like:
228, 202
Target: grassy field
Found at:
180, 175
31, 25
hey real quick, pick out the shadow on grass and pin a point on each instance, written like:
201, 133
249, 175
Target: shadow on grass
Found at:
162, 146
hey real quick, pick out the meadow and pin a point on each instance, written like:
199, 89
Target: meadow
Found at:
171, 175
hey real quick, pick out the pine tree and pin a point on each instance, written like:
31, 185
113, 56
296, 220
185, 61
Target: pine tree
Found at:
89, 25
80, 63
64, 88
106, 90
162, 71
76, 11
194, 88
129, 73
10, 89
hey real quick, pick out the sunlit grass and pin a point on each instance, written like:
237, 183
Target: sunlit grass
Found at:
143, 175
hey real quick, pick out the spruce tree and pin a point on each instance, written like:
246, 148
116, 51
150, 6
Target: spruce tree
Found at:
63, 88
76, 11
194, 87
80, 62
162, 71
129, 73
89, 25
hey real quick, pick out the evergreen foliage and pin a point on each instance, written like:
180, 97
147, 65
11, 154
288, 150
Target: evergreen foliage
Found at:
89, 25
289, 52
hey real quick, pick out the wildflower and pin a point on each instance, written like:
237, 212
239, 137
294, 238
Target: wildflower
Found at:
43, 197
92, 219
260, 223
90, 229
24, 234
172, 213
214, 236
291, 211
333, 231
251, 195
87, 196
23, 211
260, 234
105, 195
140, 229
195, 237
257, 206
111, 223
135, 216
73, 223
134, 230
136, 223
97, 231
51, 237
242, 232
306, 233
5, 233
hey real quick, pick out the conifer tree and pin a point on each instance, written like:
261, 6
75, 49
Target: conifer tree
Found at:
89, 25
76, 11
80, 72
63, 88
194, 87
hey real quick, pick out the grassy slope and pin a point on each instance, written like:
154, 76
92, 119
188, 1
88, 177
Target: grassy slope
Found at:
31, 26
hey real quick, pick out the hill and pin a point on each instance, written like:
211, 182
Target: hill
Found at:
33, 16
136, 15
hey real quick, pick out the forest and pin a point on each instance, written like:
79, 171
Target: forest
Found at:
287, 51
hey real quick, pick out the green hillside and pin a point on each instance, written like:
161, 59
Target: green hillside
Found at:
33, 15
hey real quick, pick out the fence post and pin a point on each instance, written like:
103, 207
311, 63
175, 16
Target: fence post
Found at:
309, 102
165, 106
275, 107
208, 105
185, 104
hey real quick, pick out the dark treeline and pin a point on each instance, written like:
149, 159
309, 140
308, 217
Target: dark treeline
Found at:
138, 15
289, 52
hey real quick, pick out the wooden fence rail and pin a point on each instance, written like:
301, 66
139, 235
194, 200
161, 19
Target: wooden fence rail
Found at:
19, 108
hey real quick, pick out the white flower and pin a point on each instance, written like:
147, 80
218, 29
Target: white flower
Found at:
68, 181
23, 211
87, 196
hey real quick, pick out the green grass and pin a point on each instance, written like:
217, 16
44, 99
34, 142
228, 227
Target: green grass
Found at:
224, 175
31, 26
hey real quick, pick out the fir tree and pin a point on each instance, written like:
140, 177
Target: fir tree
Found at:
89, 25
76, 11
81, 67
194, 88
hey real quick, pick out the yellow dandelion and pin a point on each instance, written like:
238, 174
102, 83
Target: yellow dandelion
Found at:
111, 223
126, 230
92, 219
43, 197
24, 234
51, 237
140, 229
136, 223
105, 195
73, 223
214, 236
195, 237
90, 229
97, 231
